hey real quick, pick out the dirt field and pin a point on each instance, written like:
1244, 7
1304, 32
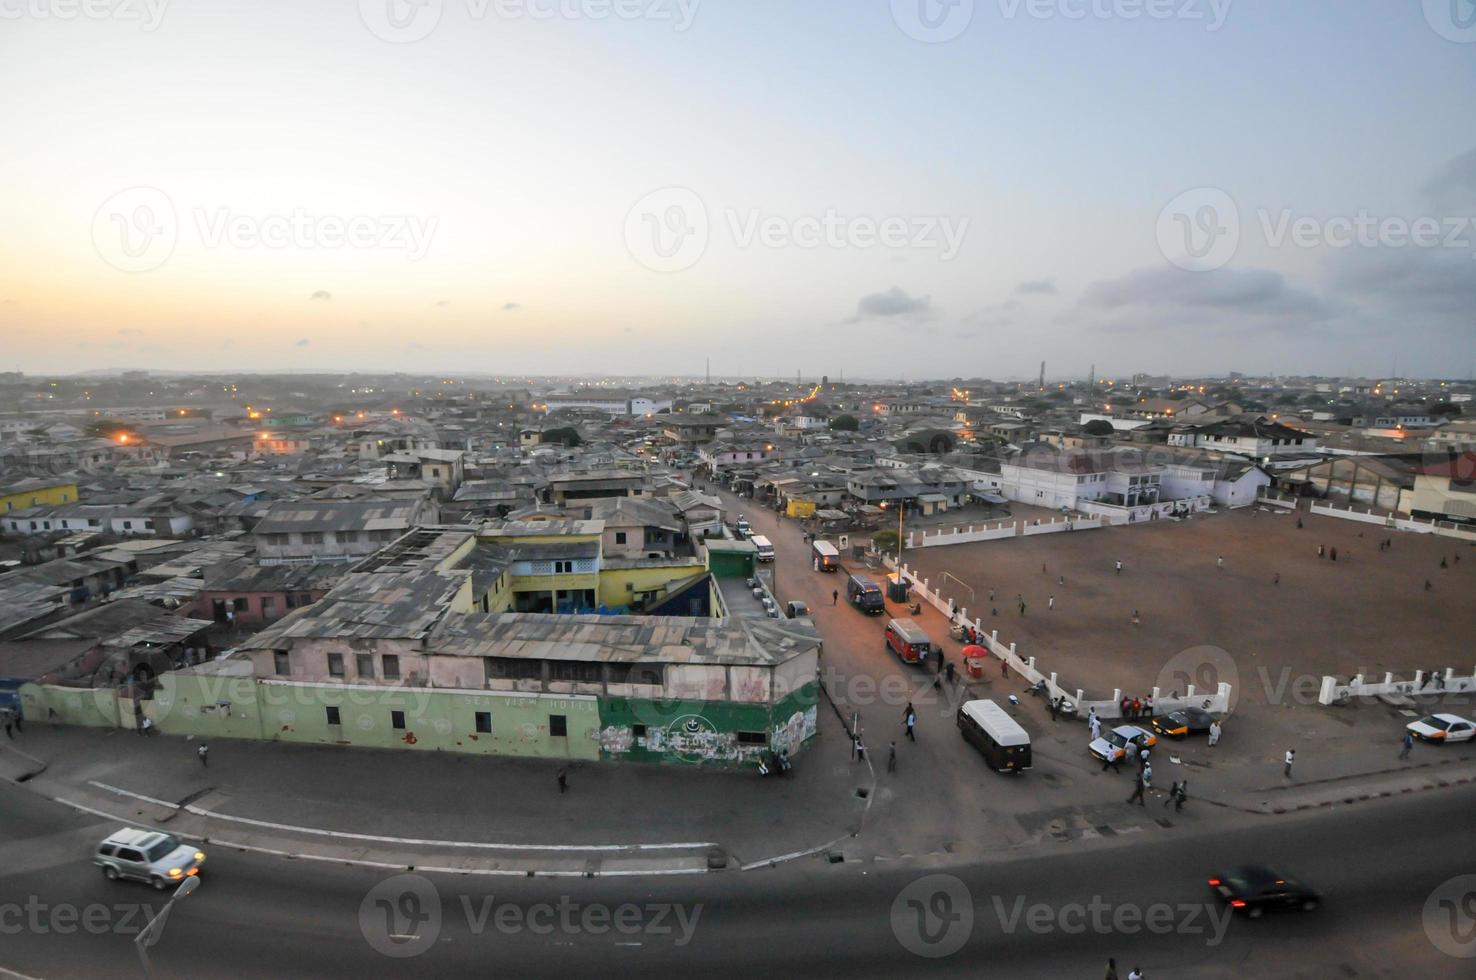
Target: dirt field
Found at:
1367, 611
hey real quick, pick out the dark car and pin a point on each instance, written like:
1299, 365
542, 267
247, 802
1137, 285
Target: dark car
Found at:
1256, 889
1183, 723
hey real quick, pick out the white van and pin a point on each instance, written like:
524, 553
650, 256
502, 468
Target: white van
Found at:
765, 547
990, 729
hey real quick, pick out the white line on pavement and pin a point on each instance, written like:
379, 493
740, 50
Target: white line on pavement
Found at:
136, 796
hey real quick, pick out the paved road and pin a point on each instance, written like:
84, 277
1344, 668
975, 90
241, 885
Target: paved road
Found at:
266, 917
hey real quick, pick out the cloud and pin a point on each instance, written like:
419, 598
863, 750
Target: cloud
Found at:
129, 331
1429, 282
892, 304
511, 307
323, 295
1038, 287
1259, 292
1454, 187
303, 342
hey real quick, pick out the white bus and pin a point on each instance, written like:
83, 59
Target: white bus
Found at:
826, 558
765, 547
990, 729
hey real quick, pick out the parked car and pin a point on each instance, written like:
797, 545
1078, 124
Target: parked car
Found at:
1256, 889
152, 856
1114, 744
908, 641
1442, 728
1183, 723
797, 608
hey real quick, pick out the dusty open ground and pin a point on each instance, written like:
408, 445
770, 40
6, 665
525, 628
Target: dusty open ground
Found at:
1367, 611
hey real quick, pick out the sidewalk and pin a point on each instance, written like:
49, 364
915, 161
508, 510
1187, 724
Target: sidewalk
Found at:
450, 812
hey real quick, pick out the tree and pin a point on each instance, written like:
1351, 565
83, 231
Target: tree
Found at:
567, 436
844, 423
1098, 427
884, 541
1445, 410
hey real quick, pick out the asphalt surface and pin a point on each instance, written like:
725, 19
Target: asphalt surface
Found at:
1060, 915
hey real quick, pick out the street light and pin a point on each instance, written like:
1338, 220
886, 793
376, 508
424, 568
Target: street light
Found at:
152, 932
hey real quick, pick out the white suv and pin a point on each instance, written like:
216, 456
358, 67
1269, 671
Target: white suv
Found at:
153, 856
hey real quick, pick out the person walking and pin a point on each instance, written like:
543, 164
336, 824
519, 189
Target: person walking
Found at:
1173, 794
1119, 566
892, 757
1291, 756
1140, 787
9, 722
1333, 554
1137, 620
1055, 705
1443, 563
1321, 551
1214, 733
1113, 760
1095, 724
1220, 562
1181, 796
204, 753
834, 596
1276, 579
1051, 602
950, 673
1143, 759
909, 718
1111, 969
1427, 585
1022, 607
1148, 706
563, 778
1406, 745
1061, 581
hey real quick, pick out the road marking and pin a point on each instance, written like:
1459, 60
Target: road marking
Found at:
17, 976
136, 796
309, 857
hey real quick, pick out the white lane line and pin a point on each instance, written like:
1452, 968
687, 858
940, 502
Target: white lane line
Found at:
17, 976
88, 809
308, 857
136, 796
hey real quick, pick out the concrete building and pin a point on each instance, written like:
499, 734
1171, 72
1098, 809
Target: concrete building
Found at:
1446, 491
335, 530
23, 494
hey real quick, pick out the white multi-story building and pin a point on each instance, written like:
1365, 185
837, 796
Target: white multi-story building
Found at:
621, 405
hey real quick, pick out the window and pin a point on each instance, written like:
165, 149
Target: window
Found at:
281, 663
241, 604
563, 567
391, 664
364, 664
753, 738
639, 731
335, 665
127, 525
512, 668
575, 670
312, 537
333, 718
397, 720
620, 537
268, 607
558, 726
484, 723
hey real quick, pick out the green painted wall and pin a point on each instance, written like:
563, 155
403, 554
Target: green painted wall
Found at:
91, 707
704, 732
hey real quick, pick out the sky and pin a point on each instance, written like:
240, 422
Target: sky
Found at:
874, 188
